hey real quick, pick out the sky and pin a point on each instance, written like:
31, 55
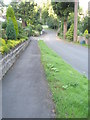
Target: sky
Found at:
83, 3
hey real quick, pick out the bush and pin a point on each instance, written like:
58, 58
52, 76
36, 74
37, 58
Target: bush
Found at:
85, 23
3, 46
2, 42
10, 14
10, 44
39, 27
20, 31
79, 33
6, 46
4, 49
4, 25
70, 32
85, 32
10, 31
28, 29
15, 25
87, 36
19, 36
35, 33
4, 36
20, 28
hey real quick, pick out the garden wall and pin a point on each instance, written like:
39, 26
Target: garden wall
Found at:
7, 61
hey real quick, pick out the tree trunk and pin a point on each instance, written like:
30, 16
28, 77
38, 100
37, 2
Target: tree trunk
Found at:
59, 26
58, 30
24, 24
75, 20
65, 29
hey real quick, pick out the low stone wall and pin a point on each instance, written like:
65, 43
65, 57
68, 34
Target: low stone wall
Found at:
7, 61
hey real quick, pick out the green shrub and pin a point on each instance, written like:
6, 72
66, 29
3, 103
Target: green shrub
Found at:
85, 32
2, 42
22, 36
22, 40
35, 33
39, 27
25, 37
15, 25
87, 36
20, 29
6, 46
3, 46
10, 14
10, 44
21, 32
70, 32
4, 25
33, 27
19, 36
28, 29
4, 36
78, 32
6, 49
10, 31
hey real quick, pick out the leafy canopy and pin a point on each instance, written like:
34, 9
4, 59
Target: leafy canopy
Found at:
26, 11
62, 9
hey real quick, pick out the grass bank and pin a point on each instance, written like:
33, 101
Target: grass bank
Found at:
69, 88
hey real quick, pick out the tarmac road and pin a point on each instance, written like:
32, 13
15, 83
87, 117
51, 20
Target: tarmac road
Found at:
75, 55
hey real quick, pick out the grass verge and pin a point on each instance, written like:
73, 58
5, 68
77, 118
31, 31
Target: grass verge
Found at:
69, 88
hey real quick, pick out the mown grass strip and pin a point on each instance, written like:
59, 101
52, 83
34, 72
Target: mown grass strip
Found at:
69, 88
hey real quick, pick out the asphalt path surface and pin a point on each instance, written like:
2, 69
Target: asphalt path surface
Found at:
25, 92
75, 55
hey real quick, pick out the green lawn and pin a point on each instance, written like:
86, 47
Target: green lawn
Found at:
69, 88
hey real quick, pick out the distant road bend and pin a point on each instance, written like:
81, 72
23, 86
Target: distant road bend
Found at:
75, 55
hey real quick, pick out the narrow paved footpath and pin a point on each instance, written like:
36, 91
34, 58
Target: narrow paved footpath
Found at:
25, 90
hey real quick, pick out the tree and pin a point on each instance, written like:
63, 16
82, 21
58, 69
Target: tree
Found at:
52, 22
69, 34
1, 3
62, 9
10, 31
85, 23
75, 19
24, 11
10, 14
44, 13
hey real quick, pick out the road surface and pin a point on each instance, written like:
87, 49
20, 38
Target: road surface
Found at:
75, 55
